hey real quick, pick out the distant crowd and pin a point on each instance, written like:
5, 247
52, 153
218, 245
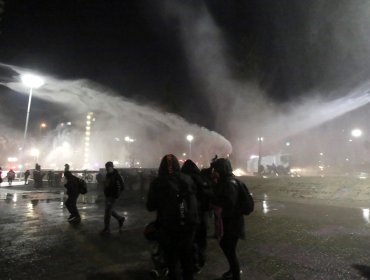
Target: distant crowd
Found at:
183, 198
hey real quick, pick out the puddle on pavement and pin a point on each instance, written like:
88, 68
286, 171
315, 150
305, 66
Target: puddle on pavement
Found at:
34, 198
267, 206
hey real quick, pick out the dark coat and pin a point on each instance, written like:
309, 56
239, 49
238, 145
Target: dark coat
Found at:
161, 196
113, 185
202, 188
72, 184
226, 197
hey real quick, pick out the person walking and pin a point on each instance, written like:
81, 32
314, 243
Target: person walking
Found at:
11, 176
73, 192
26, 175
226, 197
171, 195
113, 186
1, 175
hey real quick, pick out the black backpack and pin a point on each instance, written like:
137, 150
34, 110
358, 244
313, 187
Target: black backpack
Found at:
82, 186
245, 199
185, 209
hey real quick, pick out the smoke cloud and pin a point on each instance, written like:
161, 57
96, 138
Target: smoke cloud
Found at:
244, 110
152, 132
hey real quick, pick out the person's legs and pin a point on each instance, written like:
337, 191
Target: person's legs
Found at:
168, 243
185, 252
228, 246
73, 206
109, 203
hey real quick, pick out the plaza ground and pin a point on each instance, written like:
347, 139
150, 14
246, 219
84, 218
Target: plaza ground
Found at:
286, 238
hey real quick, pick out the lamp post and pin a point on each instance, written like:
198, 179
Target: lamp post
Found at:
31, 81
129, 140
259, 169
190, 139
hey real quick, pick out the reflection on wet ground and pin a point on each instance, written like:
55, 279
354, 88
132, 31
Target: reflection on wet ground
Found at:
285, 240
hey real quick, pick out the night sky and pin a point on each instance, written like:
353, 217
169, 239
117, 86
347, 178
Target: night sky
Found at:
131, 47
288, 49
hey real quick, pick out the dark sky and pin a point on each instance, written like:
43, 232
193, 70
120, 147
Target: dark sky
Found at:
121, 44
285, 46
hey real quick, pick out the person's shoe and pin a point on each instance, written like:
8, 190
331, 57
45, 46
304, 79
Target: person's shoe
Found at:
227, 275
121, 221
70, 217
105, 232
154, 274
74, 219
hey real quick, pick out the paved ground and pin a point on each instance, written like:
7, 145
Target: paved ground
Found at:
285, 240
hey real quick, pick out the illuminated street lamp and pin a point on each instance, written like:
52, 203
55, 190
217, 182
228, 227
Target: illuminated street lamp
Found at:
129, 140
31, 81
35, 153
356, 132
260, 140
190, 139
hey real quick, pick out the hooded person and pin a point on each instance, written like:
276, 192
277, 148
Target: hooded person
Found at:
226, 196
202, 191
73, 192
171, 195
113, 186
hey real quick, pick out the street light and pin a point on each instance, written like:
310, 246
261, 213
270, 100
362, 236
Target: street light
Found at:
356, 132
31, 81
35, 153
260, 140
190, 139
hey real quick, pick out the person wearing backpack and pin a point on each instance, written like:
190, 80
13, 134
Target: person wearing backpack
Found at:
171, 195
113, 186
202, 190
228, 196
73, 192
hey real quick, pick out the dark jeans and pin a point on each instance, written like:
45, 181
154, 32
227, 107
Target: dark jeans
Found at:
71, 204
109, 211
200, 241
228, 246
178, 248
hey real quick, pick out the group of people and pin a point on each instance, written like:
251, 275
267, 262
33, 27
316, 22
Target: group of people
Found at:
113, 186
182, 198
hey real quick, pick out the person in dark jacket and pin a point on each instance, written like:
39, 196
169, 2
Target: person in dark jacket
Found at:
175, 238
226, 197
73, 193
26, 175
113, 186
201, 190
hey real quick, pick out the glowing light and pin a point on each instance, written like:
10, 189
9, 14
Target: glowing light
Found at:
366, 214
239, 172
356, 132
32, 81
43, 125
184, 154
260, 139
66, 145
253, 156
12, 159
35, 152
190, 138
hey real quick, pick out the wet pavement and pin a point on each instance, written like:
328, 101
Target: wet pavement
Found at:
285, 240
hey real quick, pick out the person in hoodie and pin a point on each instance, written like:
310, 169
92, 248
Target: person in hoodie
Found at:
168, 194
73, 193
113, 186
202, 192
226, 197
